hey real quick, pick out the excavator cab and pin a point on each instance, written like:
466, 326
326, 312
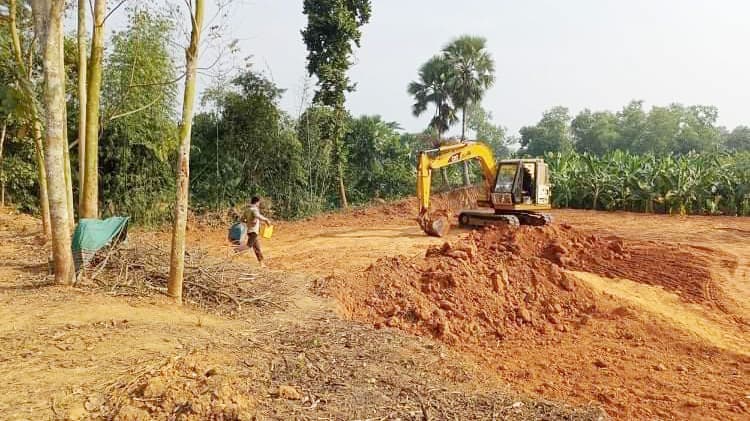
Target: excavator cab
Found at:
520, 182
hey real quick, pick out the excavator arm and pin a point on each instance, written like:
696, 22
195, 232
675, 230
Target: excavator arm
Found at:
437, 223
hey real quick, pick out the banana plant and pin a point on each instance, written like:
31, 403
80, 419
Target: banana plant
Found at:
708, 183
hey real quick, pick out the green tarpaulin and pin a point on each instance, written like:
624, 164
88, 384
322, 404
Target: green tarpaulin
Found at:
92, 235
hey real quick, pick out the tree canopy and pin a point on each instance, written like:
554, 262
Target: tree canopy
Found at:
662, 130
550, 134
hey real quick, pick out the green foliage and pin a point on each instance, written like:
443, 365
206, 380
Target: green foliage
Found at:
472, 72
692, 183
432, 89
19, 167
248, 147
379, 160
595, 133
480, 121
20, 171
457, 78
551, 134
318, 168
139, 130
738, 140
662, 130
332, 27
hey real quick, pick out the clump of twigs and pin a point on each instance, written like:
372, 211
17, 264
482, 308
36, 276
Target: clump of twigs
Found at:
223, 285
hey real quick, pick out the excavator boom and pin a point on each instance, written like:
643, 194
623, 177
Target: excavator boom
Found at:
437, 224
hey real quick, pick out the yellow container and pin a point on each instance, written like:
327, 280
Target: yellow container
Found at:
266, 231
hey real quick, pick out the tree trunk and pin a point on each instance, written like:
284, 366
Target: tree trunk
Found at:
66, 148
342, 188
337, 161
25, 82
2, 164
90, 203
463, 123
49, 31
81, 99
68, 176
467, 181
42, 175
177, 258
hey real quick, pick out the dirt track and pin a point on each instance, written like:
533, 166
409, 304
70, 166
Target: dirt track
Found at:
652, 349
104, 352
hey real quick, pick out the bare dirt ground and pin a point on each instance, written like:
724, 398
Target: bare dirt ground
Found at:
110, 351
630, 337
672, 343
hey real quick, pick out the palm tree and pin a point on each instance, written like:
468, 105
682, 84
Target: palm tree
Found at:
432, 88
472, 73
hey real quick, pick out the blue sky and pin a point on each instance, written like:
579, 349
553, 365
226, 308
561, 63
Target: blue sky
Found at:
576, 53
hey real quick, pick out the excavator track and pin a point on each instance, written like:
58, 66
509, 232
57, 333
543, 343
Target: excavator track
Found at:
469, 219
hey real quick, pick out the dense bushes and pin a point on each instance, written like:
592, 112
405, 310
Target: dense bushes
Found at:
248, 146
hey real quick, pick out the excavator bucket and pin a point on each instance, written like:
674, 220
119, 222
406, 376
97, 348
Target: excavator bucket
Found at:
436, 224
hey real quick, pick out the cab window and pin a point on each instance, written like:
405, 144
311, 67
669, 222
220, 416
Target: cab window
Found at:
506, 174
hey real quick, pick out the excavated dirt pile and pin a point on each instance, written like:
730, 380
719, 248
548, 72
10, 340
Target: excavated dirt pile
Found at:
504, 282
187, 388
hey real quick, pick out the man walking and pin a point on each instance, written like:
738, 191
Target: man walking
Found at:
253, 218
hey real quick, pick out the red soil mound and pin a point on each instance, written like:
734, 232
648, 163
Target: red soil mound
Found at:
504, 282
678, 268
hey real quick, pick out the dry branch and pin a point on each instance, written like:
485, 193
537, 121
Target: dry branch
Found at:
221, 285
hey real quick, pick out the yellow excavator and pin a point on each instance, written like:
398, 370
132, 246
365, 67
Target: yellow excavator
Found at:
516, 191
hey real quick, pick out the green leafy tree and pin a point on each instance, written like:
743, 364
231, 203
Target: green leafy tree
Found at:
379, 162
662, 127
318, 168
332, 27
631, 127
698, 131
248, 146
596, 132
432, 89
676, 129
139, 130
550, 134
480, 121
738, 140
27, 105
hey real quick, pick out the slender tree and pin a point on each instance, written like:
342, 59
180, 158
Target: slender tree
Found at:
472, 74
36, 126
2, 164
82, 97
23, 76
332, 27
89, 206
48, 21
177, 259
66, 149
